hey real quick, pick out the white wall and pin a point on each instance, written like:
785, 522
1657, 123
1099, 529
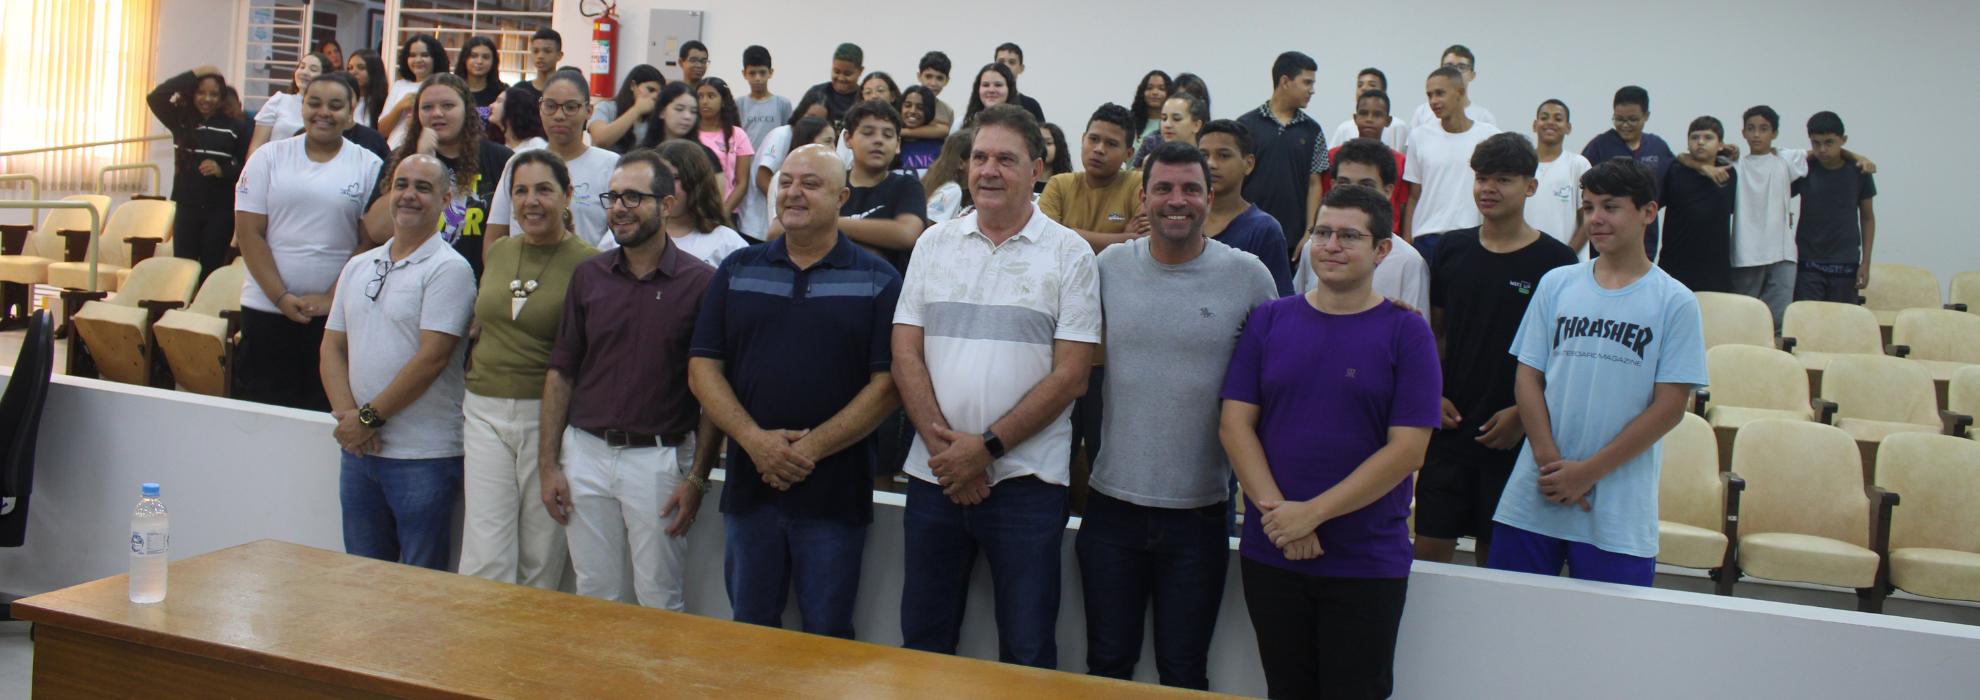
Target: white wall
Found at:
1893, 70
235, 472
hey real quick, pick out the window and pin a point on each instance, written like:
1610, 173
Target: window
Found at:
88, 86
508, 22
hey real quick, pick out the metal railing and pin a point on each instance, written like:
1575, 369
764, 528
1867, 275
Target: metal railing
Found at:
95, 224
46, 149
157, 175
34, 190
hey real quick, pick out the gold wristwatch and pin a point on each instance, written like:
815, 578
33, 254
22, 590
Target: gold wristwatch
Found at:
700, 483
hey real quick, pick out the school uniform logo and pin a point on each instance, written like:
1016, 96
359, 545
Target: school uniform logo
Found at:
353, 193
1564, 193
1523, 286
1630, 335
581, 192
1116, 216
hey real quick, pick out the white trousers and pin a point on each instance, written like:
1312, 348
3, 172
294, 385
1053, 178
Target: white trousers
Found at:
617, 495
509, 534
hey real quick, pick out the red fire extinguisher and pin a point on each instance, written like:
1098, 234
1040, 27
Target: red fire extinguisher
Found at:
604, 33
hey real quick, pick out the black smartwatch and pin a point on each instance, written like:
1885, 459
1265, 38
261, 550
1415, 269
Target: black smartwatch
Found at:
369, 417
994, 444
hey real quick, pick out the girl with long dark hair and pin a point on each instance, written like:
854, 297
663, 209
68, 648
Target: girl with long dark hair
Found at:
478, 67
1147, 103
281, 116
697, 223
721, 131
369, 72
210, 144
421, 57
620, 124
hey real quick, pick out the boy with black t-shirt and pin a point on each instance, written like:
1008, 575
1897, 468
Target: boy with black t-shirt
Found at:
1480, 284
1698, 214
843, 89
1837, 225
886, 211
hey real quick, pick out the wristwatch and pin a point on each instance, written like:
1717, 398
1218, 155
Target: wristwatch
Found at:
700, 483
370, 418
994, 444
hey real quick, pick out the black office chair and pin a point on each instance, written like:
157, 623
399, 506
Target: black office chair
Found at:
20, 424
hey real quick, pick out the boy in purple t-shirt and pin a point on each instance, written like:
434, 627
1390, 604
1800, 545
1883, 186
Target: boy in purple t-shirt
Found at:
1328, 407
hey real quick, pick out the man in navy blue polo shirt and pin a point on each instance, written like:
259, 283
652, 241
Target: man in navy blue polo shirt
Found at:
791, 358
1290, 149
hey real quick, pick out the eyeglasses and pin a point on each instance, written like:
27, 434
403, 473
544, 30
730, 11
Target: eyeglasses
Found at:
696, 61
377, 284
1348, 237
632, 198
552, 108
1627, 121
1465, 67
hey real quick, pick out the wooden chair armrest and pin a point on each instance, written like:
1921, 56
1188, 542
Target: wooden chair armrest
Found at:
1897, 350
1955, 307
76, 247
1825, 410
1882, 502
13, 238
142, 248
1700, 397
156, 308
1787, 344
1956, 424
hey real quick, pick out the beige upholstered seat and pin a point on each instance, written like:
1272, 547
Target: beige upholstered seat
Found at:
195, 340
1752, 383
1935, 531
1805, 515
118, 331
1735, 319
138, 218
1963, 393
1878, 396
1822, 330
1944, 341
1894, 288
1691, 498
1965, 290
45, 246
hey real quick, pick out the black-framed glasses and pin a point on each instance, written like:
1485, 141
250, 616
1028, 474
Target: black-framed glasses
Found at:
1348, 237
696, 61
1626, 121
376, 286
634, 199
550, 108
1466, 67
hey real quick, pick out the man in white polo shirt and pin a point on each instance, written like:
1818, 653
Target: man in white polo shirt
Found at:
393, 368
993, 338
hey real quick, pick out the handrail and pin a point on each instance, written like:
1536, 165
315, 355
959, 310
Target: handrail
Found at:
157, 175
95, 223
31, 151
34, 187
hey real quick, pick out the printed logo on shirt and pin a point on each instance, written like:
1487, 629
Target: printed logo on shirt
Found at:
353, 192
581, 192
1350, 374
1116, 216
1205, 310
1523, 286
1565, 193
1630, 335
866, 213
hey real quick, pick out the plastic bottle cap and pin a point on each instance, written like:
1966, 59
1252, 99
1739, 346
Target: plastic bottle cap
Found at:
150, 490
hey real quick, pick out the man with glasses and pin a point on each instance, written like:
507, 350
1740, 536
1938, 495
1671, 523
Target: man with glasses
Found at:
618, 460
1632, 110
393, 369
694, 62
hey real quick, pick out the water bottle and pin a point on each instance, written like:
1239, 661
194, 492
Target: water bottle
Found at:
150, 534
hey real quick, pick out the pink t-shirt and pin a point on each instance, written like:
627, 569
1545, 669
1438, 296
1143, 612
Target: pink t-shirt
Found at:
738, 145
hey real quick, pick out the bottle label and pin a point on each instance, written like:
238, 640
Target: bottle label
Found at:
148, 543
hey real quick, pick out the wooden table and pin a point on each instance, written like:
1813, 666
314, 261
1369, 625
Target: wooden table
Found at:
272, 619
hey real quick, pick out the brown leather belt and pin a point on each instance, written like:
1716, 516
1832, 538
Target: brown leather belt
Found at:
621, 438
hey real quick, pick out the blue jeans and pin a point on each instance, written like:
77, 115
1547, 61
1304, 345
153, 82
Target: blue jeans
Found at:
400, 509
767, 550
1019, 528
1514, 549
1130, 553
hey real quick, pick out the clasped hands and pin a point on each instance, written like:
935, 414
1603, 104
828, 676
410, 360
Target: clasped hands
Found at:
1290, 526
353, 435
961, 464
1566, 482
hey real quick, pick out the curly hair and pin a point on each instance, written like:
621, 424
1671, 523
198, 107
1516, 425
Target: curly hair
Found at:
469, 140
703, 193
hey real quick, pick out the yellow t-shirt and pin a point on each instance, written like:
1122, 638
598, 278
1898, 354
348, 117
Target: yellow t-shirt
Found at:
1075, 204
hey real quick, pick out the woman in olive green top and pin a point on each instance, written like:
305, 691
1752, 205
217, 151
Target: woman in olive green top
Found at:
510, 537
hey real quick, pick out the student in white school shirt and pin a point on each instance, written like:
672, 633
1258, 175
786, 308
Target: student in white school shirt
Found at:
1394, 135
566, 107
1459, 57
1555, 207
695, 220
1437, 164
281, 116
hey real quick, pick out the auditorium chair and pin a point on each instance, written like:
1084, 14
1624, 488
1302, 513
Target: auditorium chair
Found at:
1806, 515
1935, 535
1697, 504
1894, 288
1817, 331
20, 425
133, 233
1963, 398
27, 251
1965, 293
1735, 319
1878, 396
117, 331
1943, 340
198, 341
1752, 383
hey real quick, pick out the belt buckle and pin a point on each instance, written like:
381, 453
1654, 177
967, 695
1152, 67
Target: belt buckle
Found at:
617, 439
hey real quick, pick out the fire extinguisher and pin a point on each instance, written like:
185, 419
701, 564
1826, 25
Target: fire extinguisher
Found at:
604, 33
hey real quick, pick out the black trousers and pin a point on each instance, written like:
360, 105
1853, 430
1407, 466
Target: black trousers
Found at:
202, 231
1324, 637
277, 362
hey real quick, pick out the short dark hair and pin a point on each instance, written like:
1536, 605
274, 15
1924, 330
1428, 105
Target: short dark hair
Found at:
1460, 50
692, 45
1825, 123
339, 77
1381, 214
1505, 152
872, 109
1289, 65
1174, 153
550, 34
1377, 72
756, 56
1707, 124
1633, 95
1563, 106
1011, 47
1192, 84
577, 79
1014, 117
663, 176
937, 60
1764, 112
559, 171
436, 54
1448, 73
1238, 131
1622, 176
1374, 95
850, 53
1113, 114
1366, 152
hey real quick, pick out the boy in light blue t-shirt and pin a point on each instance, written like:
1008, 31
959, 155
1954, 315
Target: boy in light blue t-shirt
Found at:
1609, 351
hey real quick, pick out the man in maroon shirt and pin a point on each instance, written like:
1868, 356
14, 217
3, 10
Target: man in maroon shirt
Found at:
618, 459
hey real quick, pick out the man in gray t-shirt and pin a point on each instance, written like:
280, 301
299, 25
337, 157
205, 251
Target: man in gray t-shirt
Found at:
1155, 524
